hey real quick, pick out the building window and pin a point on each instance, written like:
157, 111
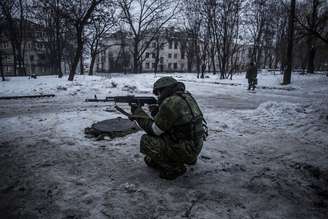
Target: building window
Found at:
176, 45
4, 45
153, 55
182, 55
170, 55
175, 65
170, 45
161, 60
42, 57
249, 52
175, 55
32, 58
153, 65
7, 59
147, 65
170, 65
147, 54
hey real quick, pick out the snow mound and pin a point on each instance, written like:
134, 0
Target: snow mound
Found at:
305, 122
281, 109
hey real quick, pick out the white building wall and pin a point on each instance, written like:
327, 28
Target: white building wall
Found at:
170, 58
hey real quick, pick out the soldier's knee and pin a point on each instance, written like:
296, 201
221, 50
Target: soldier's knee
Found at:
144, 143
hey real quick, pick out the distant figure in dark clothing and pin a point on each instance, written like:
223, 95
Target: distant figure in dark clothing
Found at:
251, 75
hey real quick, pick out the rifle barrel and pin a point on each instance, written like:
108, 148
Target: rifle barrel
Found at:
126, 99
95, 100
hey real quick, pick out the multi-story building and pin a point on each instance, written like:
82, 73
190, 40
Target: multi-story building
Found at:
33, 50
166, 53
115, 55
168, 56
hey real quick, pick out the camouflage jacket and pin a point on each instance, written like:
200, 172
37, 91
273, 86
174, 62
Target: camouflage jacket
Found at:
179, 116
251, 72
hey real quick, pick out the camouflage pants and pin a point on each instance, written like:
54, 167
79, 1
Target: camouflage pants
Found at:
252, 83
165, 152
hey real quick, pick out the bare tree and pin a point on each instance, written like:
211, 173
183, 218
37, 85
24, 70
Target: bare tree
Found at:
315, 20
1, 54
14, 13
213, 27
193, 25
159, 42
207, 12
227, 26
279, 16
145, 19
257, 19
48, 13
312, 21
101, 22
288, 71
1, 68
211, 15
78, 13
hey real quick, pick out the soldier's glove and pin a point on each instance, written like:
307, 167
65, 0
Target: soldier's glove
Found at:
134, 107
153, 109
143, 120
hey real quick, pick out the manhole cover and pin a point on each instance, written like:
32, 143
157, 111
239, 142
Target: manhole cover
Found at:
112, 128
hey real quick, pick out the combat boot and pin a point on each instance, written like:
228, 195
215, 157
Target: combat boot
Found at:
151, 163
172, 173
192, 162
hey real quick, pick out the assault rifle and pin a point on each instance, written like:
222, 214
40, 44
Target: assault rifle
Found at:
131, 100
139, 100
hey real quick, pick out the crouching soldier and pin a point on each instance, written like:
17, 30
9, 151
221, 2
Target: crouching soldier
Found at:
176, 132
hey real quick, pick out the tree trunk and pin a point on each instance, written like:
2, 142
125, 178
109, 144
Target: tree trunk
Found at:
81, 65
213, 60
78, 53
198, 61
198, 65
288, 71
92, 63
135, 56
190, 61
223, 69
58, 54
14, 58
258, 58
311, 51
1, 69
311, 68
157, 56
58, 43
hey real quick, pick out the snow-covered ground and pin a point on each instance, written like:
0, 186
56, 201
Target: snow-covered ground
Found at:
266, 155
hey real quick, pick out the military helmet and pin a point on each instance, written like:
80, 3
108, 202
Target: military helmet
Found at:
163, 83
